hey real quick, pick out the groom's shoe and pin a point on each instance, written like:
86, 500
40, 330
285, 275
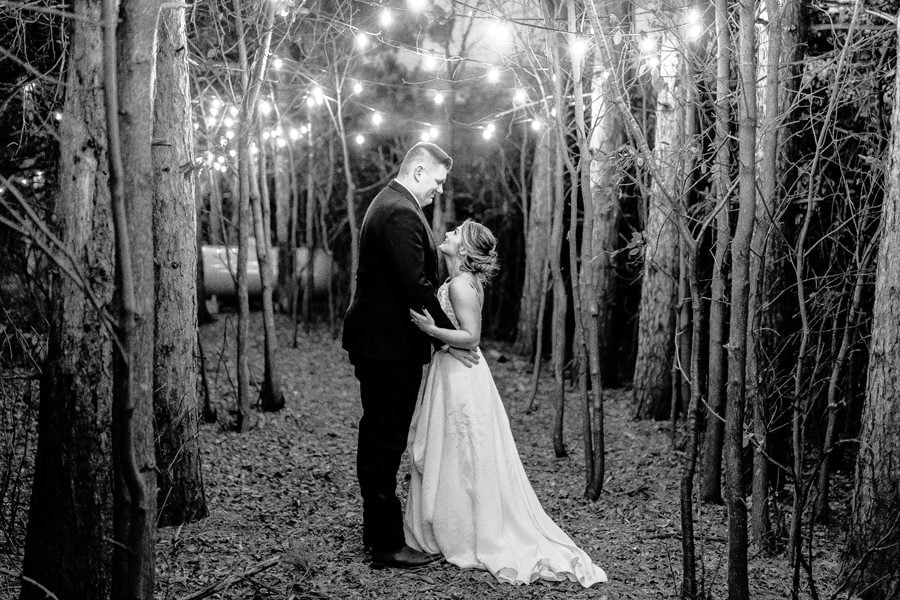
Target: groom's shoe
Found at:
404, 558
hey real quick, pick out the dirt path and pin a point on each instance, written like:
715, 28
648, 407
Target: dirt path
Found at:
287, 488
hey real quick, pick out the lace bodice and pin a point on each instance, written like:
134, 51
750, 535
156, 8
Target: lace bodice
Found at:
443, 295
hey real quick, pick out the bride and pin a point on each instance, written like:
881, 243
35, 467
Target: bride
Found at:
469, 496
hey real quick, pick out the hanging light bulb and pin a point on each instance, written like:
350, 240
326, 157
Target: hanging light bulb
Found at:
488, 131
425, 136
493, 75
357, 88
416, 6
310, 101
536, 124
578, 47
520, 96
294, 134
265, 107
360, 139
229, 134
694, 23
438, 98
58, 115
430, 63
280, 142
377, 119
386, 17
648, 45
277, 63
232, 153
233, 111
214, 110
362, 40
318, 95
433, 133
228, 122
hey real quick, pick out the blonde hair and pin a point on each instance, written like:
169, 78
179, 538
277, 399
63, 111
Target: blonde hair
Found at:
480, 245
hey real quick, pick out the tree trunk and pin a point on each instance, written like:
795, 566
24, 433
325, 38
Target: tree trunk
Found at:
135, 523
284, 224
873, 545
271, 396
180, 496
738, 585
70, 515
711, 479
216, 222
537, 243
652, 371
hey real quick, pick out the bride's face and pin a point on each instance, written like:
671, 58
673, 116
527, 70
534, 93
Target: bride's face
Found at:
450, 245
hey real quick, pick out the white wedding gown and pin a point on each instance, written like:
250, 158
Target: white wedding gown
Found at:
469, 496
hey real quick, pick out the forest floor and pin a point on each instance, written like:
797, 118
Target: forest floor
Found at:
286, 492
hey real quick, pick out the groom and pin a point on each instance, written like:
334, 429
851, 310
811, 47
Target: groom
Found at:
397, 271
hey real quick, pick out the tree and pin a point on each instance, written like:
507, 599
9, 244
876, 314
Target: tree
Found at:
656, 328
738, 585
66, 547
873, 547
130, 41
180, 498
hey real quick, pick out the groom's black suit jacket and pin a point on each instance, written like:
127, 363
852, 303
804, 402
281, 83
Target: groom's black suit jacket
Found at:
398, 270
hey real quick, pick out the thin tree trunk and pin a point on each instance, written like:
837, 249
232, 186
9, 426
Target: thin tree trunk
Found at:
180, 497
711, 480
70, 514
271, 396
309, 238
216, 220
350, 199
738, 584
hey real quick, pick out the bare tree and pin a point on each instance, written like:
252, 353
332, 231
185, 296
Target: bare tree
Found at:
180, 498
70, 515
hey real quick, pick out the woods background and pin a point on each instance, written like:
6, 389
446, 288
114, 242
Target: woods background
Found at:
696, 202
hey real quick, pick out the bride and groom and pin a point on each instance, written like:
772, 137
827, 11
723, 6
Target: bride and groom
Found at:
470, 501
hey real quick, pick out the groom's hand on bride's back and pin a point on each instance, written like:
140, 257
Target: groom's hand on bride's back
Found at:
467, 357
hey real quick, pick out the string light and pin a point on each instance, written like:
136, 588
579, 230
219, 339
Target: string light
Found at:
294, 134
233, 111
210, 121
493, 75
196, 125
425, 136
228, 122
318, 95
386, 17
694, 25
215, 103
229, 134
265, 107
438, 98
310, 101
536, 124
488, 131
360, 139
430, 63
578, 47
277, 63
232, 153
280, 142
58, 115
520, 97
648, 45
362, 40
304, 129
433, 133
416, 6
357, 88
214, 110
377, 119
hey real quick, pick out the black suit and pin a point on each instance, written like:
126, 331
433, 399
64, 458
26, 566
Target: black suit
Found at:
398, 270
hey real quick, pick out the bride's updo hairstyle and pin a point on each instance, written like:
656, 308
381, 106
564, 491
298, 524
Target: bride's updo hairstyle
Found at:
480, 247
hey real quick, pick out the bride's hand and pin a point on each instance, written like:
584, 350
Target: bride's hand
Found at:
423, 321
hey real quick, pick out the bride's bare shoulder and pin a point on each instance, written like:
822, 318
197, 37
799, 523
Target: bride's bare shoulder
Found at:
466, 285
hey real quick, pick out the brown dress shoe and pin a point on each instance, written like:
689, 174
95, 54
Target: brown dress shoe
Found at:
404, 558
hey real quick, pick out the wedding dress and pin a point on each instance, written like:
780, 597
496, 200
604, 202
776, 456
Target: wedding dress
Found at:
469, 496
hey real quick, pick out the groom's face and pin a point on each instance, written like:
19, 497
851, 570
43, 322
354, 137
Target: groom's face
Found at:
430, 180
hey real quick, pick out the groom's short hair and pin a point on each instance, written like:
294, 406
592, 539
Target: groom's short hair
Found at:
428, 151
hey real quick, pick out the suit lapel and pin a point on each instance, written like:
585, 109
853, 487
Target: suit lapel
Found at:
431, 254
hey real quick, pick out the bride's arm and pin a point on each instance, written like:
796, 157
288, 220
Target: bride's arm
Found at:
467, 306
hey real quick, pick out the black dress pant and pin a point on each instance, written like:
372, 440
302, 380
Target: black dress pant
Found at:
389, 391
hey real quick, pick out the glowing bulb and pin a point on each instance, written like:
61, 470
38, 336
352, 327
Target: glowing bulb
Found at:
232, 153
266, 134
433, 133
253, 150
294, 134
233, 111
377, 119
318, 95
553, 112
425, 137
499, 32
694, 31
210, 122
360, 140
310, 101
278, 131
438, 98
220, 159
493, 75
215, 103
281, 142
386, 18
362, 40
214, 110
228, 122
519, 97
536, 124
265, 107
229, 134
357, 88
578, 47
648, 45
277, 63
416, 5
488, 131
303, 129
58, 116
196, 125
430, 63
653, 62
